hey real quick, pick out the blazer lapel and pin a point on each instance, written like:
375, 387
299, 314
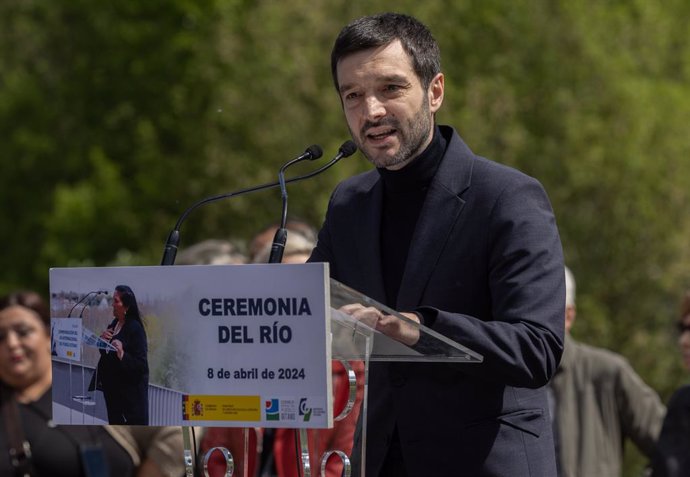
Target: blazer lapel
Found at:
439, 215
367, 238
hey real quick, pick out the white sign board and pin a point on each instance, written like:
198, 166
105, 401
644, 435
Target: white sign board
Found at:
66, 338
227, 345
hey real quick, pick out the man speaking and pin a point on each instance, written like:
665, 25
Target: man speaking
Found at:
459, 243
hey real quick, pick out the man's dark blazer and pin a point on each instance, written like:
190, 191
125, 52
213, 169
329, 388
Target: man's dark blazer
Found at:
485, 268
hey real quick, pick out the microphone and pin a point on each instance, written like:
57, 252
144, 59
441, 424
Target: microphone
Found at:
280, 237
278, 247
94, 292
170, 251
347, 149
173, 241
312, 153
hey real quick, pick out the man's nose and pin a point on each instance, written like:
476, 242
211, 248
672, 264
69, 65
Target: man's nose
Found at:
374, 107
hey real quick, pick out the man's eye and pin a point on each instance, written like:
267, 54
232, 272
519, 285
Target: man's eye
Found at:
351, 96
393, 87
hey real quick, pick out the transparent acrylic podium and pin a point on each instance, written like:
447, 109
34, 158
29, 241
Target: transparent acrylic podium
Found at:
355, 344
357, 341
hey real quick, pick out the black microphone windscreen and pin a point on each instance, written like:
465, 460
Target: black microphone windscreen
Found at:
314, 151
348, 148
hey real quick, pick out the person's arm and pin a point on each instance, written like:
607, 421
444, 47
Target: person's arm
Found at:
641, 410
155, 451
149, 468
163, 451
521, 338
134, 348
107, 335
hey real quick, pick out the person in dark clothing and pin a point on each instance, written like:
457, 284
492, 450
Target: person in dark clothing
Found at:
458, 243
123, 375
25, 399
672, 457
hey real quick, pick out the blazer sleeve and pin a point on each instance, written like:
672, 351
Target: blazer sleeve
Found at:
521, 339
498, 286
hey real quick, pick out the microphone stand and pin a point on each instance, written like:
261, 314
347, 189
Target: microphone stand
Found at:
95, 292
81, 398
170, 250
280, 237
278, 247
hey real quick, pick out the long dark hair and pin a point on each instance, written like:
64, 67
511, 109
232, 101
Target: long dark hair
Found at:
130, 301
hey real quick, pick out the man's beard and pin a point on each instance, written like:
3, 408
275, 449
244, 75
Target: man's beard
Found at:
412, 139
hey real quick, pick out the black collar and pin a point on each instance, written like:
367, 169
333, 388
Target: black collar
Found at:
418, 173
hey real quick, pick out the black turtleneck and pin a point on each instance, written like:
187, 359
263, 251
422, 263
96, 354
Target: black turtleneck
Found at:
404, 194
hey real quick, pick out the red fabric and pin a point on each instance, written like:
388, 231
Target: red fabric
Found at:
339, 437
233, 440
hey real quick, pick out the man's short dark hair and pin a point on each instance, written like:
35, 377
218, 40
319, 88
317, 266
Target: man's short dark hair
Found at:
382, 29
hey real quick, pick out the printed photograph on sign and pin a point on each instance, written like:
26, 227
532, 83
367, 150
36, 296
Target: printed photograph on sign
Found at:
222, 345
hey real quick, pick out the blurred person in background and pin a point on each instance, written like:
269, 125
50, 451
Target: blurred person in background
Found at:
56, 451
260, 245
672, 457
597, 401
211, 252
298, 247
301, 240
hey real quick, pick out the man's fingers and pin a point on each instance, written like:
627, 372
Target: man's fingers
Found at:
366, 314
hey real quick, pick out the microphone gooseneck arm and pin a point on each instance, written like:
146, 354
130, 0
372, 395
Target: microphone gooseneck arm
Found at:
94, 292
283, 190
279, 240
173, 241
280, 237
312, 153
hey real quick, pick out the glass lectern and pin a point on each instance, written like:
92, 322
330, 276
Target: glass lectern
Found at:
355, 344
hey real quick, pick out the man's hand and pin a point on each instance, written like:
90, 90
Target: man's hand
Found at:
389, 325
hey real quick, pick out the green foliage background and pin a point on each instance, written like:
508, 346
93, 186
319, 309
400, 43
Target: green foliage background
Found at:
117, 115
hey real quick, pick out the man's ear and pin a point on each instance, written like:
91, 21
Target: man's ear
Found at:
569, 317
435, 92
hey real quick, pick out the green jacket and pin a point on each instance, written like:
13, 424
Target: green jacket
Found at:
600, 401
